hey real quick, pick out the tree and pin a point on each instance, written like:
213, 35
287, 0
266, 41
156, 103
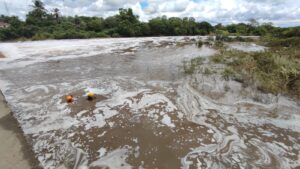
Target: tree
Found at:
94, 24
56, 14
158, 26
191, 25
231, 28
38, 15
41, 24
128, 23
253, 22
205, 28
127, 15
219, 26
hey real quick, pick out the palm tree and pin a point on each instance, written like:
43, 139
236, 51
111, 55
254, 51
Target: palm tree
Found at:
37, 14
37, 4
56, 14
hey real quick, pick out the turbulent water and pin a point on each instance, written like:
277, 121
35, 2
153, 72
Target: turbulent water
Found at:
147, 112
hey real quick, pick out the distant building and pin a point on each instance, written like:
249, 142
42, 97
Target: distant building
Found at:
3, 25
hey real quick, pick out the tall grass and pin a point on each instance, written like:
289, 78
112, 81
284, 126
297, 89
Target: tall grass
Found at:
191, 66
270, 71
276, 70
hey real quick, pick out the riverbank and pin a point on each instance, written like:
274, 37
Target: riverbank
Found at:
15, 153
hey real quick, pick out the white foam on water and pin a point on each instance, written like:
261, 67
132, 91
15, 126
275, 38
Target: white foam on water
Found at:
40, 87
43, 115
98, 120
20, 54
54, 115
97, 91
81, 159
167, 121
150, 99
246, 47
113, 159
102, 152
239, 111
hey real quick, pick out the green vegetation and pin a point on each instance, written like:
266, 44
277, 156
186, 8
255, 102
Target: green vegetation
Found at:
208, 71
199, 44
191, 66
276, 70
226, 38
42, 24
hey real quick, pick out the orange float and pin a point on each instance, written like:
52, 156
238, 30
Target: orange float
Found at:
69, 98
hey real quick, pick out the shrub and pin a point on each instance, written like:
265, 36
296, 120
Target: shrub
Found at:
218, 58
223, 38
102, 35
42, 36
115, 35
282, 42
228, 73
218, 44
199, 44
275, 72
191, 66
207, 71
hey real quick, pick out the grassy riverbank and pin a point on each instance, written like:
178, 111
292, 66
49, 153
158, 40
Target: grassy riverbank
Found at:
275, 70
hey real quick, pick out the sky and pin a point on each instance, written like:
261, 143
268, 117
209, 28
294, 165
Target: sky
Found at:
280, 12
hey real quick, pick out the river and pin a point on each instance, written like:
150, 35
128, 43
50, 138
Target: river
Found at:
147, 113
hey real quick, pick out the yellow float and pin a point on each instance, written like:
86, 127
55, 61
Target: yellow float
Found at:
90, 95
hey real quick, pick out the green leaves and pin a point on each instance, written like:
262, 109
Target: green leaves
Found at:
40, 22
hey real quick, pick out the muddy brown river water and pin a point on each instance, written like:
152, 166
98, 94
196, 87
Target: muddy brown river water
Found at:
147, 112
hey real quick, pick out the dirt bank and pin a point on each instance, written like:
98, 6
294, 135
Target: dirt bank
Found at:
15, 153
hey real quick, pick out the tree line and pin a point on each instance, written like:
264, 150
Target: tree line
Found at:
41, 23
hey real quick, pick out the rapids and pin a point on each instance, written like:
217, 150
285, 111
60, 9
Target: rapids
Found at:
147, 112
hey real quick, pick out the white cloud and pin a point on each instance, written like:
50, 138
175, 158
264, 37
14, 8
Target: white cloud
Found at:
280, 12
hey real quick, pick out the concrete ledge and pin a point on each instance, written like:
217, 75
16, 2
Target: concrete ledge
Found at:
15, 152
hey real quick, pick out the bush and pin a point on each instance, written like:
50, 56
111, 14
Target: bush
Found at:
207, 71
115, 35
242, 39
73, 34
282, 42
199, 44
191, 66
219, 58
42, 36
218, 44
228, 73
102, 35
223, 38
275, 72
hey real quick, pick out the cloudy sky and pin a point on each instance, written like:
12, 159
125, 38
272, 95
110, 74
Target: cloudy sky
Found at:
280, 12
